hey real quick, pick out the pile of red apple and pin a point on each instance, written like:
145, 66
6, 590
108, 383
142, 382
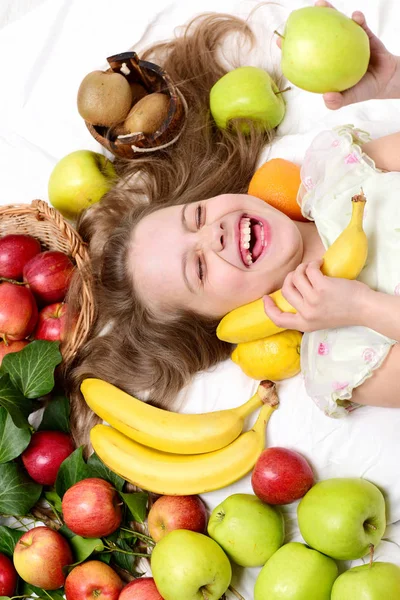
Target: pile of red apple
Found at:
33, 285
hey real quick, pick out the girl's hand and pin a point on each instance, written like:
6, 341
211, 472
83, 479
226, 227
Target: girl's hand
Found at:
321, 302
382, 79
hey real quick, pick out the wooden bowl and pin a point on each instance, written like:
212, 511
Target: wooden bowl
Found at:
154, 79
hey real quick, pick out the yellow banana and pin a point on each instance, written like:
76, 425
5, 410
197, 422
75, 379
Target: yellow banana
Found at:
165, 430
345, 258
178, 474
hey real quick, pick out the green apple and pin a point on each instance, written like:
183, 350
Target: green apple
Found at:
342, 517
78, 180
187, 565
296, 572
368, 582
323, 50
247, 529
247, 93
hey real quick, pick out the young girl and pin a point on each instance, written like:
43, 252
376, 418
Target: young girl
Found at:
169, 260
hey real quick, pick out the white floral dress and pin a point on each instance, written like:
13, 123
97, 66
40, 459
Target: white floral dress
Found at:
335, 361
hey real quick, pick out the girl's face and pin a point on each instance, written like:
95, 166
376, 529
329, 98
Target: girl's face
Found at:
214, 255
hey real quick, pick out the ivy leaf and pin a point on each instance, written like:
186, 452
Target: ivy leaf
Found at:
17, 493
54, 500
28, 590
32, 369
136, 503
13, 440
13, 401
99, 469
84, 547
122, 560
8, 539
56, 415
72, 470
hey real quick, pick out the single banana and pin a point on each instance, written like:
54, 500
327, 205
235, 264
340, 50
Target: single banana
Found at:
179, 474
167, 431
345, 258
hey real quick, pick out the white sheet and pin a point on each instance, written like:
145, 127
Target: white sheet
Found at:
47, 47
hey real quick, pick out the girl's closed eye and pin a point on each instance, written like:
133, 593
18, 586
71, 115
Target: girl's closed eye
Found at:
199, 216
200, 269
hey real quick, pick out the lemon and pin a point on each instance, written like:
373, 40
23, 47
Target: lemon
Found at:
275, 357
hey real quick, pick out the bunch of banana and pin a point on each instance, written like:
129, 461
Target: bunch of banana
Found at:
161, 469
345, 258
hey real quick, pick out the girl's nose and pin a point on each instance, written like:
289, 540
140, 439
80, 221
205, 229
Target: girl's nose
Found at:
212, 237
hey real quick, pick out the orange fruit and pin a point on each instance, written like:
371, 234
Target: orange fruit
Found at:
277, 182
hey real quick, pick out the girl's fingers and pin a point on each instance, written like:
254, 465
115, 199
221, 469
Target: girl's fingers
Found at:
301, 282
314, 273
278, 41
281, 319
290, 291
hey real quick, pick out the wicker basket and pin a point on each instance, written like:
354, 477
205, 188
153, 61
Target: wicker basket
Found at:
41, 221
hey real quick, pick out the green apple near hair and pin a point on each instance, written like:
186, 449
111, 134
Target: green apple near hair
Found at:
247, 93
78, 180
296, 572
344, 518
370, 582
247, 529
323, 50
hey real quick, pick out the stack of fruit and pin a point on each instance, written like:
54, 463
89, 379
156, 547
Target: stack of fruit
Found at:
32, 280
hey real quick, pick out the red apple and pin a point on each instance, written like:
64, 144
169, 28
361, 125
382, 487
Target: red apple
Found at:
93, 580
176, 512
92, 508
44, 455
143, 588
281, 476
51, 322
48, 275
15, 251
8, 576
40, 556
9, 349
18, 311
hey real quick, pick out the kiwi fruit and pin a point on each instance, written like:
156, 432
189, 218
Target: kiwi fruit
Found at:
104, 98
147, 115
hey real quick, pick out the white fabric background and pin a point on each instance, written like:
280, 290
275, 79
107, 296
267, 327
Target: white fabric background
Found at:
47, 47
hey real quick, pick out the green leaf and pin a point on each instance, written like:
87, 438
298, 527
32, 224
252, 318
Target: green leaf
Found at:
99, 469
13, 440
32, 369
104, 557
54, 500
56, 415
66, 532
136, 503
84, 547
8, 538
72, 470
122, 560
4, 597
17, 493
28, 590
13, 401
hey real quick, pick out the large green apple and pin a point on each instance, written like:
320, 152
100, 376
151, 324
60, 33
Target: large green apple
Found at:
187, 565
296, 572
78, 180
247, 529
247, 93
323, 50
342, 517
368, 582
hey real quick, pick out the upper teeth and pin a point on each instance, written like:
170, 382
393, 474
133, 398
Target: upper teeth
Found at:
245, 237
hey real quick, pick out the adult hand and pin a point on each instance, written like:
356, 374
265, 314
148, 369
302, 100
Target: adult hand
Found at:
321, 302
382, 79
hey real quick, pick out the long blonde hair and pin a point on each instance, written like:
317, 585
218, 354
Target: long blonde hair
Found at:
143, 354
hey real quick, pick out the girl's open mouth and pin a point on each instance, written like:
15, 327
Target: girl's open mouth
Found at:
253, 239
